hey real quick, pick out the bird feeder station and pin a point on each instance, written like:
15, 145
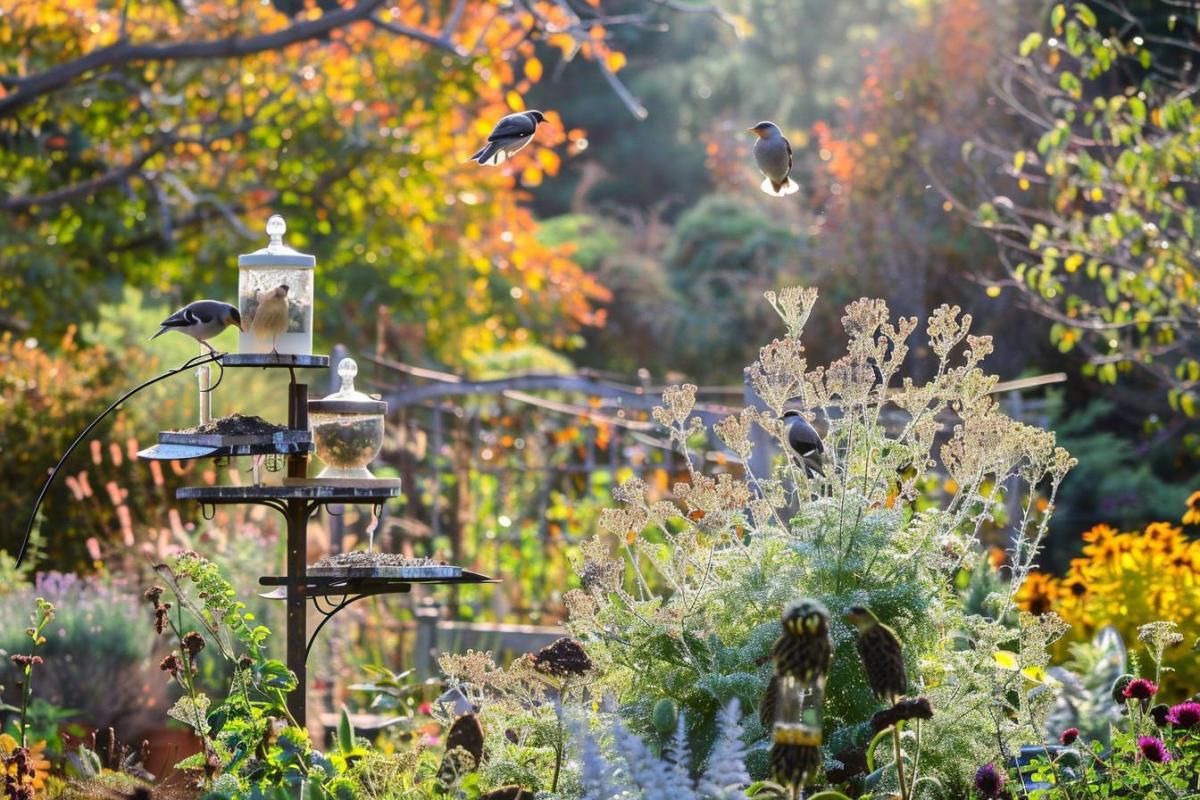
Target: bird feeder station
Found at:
263, 272
347, 427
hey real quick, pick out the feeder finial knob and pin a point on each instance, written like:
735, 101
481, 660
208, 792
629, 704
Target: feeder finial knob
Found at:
276, 228
347, 369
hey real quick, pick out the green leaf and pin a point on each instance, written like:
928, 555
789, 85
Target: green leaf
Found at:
1030, 43
1057, 15
345, 732
1085, 14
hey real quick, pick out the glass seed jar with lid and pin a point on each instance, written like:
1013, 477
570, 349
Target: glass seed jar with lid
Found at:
278, 282
347, 428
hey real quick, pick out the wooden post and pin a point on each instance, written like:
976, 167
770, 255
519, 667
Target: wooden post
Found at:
297, 560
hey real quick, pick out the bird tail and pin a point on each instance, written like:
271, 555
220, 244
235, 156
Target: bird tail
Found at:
780, 188
161, 331
491, 155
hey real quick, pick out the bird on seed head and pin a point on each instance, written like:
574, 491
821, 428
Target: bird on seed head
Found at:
201, 320
773, 154
805, 441
882, 655
510, 135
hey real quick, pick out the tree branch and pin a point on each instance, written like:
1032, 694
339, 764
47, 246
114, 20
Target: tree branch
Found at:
84, 188
124, 52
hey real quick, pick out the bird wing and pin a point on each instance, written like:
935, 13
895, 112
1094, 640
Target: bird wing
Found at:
788, 145
514, 126
191, 314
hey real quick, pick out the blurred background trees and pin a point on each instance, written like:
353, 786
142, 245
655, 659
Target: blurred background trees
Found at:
1029, 162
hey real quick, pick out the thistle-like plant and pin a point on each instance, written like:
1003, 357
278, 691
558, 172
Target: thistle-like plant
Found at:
684, 600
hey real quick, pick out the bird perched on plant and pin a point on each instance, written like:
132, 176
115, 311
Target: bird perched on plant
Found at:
773, 154
882, 655
805, 648
202, 320
805, 441
271, 316
510, 134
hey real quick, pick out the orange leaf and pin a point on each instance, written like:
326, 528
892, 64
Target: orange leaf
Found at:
615, 60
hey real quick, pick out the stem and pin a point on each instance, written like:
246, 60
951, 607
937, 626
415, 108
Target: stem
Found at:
558, 748
899, 761
26, 693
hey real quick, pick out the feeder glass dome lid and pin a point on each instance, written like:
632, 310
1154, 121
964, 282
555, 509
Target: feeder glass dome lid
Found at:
347, 428
278, 280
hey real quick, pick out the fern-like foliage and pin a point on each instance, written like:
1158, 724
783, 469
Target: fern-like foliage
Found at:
693, 583
627, 769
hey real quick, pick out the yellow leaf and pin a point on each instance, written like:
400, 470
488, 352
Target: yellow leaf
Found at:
615, 60
531, 176
550, 160
515, 102
533, 70
1005, 659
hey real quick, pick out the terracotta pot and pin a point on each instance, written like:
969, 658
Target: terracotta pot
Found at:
169, 746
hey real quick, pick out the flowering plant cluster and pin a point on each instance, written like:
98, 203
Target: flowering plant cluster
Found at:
1155, 753
1125, 578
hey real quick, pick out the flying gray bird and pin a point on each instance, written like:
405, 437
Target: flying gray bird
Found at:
773, 154
202, 320
510, 135
804, 441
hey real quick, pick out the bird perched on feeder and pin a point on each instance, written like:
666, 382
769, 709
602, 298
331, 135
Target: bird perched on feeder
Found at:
882, 655
271, 316
805, 441
510, 134
202, 320
773, 154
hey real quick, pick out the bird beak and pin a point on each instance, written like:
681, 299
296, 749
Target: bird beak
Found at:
755, 131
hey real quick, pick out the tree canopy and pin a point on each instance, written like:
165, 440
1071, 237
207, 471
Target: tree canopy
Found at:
146, 143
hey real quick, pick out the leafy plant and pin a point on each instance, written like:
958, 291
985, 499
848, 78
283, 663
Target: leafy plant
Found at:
690, 608
252, 747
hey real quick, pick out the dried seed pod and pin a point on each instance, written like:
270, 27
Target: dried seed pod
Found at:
804, 649
467, 733
562, 658
508, 793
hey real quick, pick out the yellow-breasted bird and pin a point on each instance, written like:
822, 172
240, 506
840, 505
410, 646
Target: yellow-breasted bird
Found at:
804, 648
271, 316
882, 655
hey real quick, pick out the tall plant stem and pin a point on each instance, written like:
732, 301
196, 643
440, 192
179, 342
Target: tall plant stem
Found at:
899, 761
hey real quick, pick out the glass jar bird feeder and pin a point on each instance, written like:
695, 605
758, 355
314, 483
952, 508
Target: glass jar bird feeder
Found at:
347, 428
279, 281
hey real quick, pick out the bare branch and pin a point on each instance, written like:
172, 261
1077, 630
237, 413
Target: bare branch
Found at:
84, 188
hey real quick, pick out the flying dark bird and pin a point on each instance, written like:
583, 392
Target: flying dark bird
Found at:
882, 655
804, 441
773, 154
510, 135
202, 320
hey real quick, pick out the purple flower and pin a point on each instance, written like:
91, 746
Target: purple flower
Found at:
1140, 689
1184, 715
1069, 736
989, 781
1153, 749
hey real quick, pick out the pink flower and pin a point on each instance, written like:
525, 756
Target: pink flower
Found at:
1184, 715
425, 708
1069, 736
1154, 750
1141, 689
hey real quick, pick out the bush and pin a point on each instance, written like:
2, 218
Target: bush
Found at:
690, 609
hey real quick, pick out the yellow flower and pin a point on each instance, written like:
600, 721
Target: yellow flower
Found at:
1038, 593
1192, 515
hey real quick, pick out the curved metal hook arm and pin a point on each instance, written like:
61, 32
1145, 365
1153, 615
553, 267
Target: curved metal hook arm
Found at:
328, 616
191, 363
